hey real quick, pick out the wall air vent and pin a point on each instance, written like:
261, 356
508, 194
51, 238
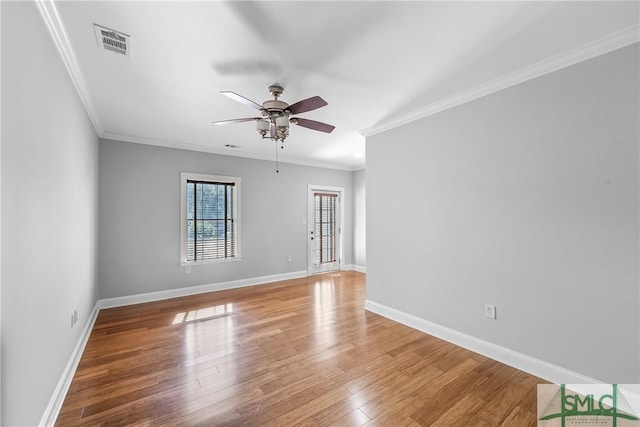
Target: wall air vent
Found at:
112, 40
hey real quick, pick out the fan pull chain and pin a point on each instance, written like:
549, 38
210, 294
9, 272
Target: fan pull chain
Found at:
277, 161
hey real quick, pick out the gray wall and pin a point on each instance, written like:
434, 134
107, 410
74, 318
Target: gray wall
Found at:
49, 215
139, 226
359, 219
526, 199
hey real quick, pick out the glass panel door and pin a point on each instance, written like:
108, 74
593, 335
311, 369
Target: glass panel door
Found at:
324, 238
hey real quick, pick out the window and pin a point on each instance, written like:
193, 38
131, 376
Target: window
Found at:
325, 227
210, 229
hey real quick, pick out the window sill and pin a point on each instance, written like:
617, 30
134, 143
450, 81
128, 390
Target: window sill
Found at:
209, 261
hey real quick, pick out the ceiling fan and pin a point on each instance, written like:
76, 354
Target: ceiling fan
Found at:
275, 117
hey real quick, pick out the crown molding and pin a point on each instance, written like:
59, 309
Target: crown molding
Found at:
54, 26
222, 152
620, 39
53, 23
587, 51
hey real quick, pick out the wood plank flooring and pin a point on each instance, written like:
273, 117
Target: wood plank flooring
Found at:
297, 352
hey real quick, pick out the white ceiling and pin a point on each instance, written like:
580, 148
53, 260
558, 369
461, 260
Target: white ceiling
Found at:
376, 63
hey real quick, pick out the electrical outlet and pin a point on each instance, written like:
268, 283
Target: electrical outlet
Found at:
490, 311
188, 269
72, 322
289, 258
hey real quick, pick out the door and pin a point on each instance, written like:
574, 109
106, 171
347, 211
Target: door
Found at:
325, 237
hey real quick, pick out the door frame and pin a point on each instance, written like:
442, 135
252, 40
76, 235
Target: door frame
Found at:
311, 190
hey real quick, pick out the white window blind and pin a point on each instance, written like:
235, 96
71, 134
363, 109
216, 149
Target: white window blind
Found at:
210, 229
325, 227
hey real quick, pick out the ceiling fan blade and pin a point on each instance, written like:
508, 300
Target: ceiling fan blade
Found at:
312, 124
307, 105
226, 122
241, 99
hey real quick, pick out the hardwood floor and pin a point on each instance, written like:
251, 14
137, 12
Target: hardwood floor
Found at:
300, 351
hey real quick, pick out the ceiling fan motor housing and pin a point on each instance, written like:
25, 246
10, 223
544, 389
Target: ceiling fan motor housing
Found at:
275, 105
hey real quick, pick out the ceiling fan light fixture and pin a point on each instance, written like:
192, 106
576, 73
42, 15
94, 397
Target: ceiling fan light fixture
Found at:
282, 127
282, 122
263, 127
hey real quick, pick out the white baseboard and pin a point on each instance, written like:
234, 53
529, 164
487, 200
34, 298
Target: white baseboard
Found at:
354, 267
194, 290
539, 368
531, 365
59, 393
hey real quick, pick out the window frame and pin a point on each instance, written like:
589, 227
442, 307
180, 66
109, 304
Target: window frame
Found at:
214, 179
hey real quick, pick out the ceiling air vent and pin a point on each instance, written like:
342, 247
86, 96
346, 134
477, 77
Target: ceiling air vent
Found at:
113, 40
